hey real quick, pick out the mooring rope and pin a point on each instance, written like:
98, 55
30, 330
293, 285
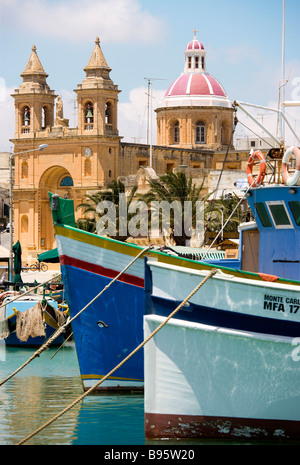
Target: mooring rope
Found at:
62, 328
214, 271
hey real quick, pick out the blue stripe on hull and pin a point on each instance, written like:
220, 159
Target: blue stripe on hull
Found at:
120, 308
224, 319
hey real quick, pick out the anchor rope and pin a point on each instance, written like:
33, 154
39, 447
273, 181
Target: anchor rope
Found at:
69, 321
199, 285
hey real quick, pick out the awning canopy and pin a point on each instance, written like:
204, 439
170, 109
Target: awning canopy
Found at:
50, 256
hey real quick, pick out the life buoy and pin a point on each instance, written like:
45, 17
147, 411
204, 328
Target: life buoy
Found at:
257, 155
287, 179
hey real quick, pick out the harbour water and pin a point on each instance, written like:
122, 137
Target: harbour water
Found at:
46, 386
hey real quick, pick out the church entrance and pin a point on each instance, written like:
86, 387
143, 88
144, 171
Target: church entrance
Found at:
55, 180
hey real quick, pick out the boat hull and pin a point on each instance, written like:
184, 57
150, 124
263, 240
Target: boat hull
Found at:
203, 381
227, 363
107, 331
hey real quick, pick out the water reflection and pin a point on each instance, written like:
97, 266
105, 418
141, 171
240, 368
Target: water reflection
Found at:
45, 387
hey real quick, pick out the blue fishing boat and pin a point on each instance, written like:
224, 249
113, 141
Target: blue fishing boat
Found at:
226, 365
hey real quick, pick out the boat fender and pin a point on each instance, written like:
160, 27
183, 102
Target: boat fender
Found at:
287, 179
259, 156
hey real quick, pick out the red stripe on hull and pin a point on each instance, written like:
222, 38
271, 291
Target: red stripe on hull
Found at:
163, 426
98, 269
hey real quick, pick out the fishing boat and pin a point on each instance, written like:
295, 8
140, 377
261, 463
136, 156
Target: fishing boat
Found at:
111, 325
227, 363
28, 320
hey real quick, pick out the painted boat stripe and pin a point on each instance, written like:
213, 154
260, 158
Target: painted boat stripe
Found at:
98, 269
98, 241
110, 377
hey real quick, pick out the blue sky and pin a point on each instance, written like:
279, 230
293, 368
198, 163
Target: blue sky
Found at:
141, 39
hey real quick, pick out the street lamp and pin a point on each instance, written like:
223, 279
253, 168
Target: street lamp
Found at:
11, 155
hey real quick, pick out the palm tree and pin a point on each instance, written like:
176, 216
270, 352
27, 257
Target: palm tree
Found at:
220, 210
109, 197
177, 191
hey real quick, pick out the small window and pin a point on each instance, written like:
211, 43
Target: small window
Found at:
279, 214
189, 62
176, 133
89, 116
67, 181
26, 116
295, 208
24, 170
196, 62
200, 133
263, 215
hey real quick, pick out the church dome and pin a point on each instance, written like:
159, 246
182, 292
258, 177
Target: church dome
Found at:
195, 86
195, 45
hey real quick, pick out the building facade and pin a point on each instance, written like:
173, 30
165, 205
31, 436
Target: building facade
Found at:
86, 158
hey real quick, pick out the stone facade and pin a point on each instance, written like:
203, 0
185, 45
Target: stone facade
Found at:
81, 160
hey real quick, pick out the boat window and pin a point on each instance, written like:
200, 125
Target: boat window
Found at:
263, 215
295, 208
279, 214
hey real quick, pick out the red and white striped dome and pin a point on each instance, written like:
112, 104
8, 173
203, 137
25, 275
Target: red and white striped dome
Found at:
195, 86
195, 45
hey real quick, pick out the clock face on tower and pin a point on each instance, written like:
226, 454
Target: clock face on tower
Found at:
87, 152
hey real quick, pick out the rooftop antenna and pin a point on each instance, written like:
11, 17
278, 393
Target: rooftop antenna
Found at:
149, 115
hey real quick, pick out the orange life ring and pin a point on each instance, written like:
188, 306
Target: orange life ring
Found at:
287, 178
262, 168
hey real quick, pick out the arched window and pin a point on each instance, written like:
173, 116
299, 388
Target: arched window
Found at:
67, 181
176, 133
89, 115
44, 117
87, 167
200, 132
24, 224
26, 116
24, 170
108, 113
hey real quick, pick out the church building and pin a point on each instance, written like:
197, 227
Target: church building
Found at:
194, 129
195, 112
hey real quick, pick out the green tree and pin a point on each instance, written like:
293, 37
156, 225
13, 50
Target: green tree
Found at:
220, 210
177, 190
92, 214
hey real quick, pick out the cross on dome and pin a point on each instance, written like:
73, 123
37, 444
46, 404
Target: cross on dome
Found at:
195, 33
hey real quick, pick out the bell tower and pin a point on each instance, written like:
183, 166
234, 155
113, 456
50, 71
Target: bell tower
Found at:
97, 98
34, 101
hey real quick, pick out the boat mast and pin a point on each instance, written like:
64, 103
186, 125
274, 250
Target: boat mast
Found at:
283, 80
